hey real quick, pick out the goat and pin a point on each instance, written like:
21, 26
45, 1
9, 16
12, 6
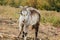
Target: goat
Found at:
28, 16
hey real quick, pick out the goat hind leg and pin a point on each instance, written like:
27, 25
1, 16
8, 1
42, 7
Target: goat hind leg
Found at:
36, 30
25, 32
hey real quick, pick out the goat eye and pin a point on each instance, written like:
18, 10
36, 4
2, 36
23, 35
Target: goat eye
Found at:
20, 13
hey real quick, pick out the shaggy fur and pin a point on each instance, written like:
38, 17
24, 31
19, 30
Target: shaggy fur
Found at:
28, 16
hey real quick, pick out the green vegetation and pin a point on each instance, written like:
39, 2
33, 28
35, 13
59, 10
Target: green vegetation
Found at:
51, 17
7, 9
39, 4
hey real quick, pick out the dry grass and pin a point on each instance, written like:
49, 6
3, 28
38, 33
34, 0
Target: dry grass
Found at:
9, 28
51, 17
8, 12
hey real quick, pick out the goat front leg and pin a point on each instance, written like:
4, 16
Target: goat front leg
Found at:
25, 32
20, 29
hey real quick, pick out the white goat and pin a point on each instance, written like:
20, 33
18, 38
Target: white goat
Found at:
28, 16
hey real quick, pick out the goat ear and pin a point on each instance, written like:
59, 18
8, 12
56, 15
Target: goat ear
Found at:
25, 6
21, 7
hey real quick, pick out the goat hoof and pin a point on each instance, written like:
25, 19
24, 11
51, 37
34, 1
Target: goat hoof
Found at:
36, 38
16, 38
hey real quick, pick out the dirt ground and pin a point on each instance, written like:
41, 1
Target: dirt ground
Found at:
9, 31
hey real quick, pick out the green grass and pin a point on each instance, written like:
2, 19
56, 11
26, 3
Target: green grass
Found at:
51, 17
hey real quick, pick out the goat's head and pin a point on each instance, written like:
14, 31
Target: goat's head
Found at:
24, 10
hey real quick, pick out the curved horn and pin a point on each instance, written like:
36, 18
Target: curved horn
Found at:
25, 6
21, 7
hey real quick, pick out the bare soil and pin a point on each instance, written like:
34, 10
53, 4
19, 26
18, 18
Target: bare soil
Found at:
9, 31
